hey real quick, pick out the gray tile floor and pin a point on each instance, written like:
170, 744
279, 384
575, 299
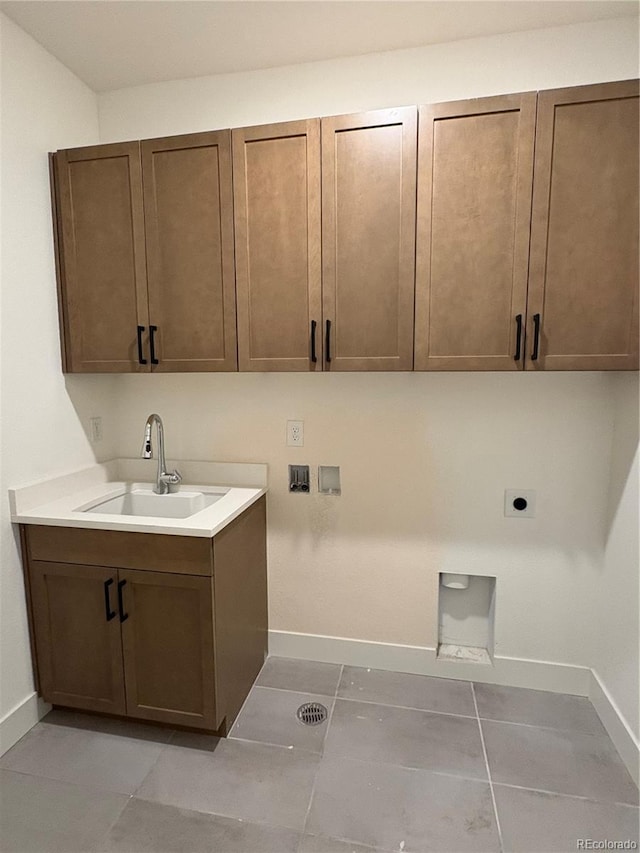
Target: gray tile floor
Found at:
403, 763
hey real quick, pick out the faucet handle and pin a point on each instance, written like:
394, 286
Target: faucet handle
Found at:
172, 478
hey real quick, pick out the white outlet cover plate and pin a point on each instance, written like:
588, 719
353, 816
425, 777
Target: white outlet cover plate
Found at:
295, 433
509, 497
96, 429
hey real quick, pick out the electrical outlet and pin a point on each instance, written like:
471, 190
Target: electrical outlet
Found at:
96, 430
520, 503
295, 433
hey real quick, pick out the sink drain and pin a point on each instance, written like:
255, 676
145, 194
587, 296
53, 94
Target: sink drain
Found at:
312, 714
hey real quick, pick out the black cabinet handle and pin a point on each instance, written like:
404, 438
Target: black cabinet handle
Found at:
327, 344
536, 337
518, 337
110, 614
314, 357
123, 616
152, 344
141, 360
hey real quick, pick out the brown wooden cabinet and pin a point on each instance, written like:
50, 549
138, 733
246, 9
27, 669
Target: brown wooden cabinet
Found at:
368, 239
153, 637
475, 173
583, 285
99, 223
77, 637
145, 255
168, 647
356, 313
516, 263
188, 207
276, 171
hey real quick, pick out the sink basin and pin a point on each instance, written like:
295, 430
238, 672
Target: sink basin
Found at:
145, 502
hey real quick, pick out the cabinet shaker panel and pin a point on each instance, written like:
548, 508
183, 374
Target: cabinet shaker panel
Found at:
583, 285
77, 634
167, 641
368, 239
276, 173
188, 206
100, 229
475, 173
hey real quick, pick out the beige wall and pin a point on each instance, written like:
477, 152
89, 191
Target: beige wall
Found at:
616, 656
424, 460
516, 62
44, 416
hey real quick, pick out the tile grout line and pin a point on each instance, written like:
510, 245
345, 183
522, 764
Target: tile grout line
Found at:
339, 682
476, 780
97, 843
431, 711
384, 704
246, 699
326, 734
83, 785
411, 768
253, 821
162, 751
288, 747
287, 690
567, 796
486, 761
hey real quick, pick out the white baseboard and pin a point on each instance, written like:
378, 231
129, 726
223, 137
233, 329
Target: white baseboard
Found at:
514, 672
616, 725
18, 721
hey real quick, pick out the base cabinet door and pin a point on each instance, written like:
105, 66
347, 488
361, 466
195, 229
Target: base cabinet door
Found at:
167, 640
77, 635
583, 278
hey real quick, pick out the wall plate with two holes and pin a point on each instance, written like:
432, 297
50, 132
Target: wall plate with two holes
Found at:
520, 503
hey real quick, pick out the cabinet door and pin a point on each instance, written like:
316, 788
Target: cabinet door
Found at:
77, 636
368, 239
102, 257
583, 281
188, 208
276, 174
474, 211
167, 639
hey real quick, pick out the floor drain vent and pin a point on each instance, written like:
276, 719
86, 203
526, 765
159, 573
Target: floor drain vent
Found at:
312, 714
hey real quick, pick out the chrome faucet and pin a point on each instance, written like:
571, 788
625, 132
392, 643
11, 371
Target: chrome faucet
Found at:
165, 479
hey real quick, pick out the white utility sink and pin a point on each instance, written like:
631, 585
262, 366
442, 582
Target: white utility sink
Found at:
145, 502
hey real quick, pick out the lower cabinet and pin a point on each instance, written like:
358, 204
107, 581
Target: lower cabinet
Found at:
167, 648
153, 643
79, 648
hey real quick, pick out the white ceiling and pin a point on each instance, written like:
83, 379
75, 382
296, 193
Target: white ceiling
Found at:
111, 44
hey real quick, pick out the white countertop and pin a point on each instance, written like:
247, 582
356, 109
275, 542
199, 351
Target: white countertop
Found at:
60, 502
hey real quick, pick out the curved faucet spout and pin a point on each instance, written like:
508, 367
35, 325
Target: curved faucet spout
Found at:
164, 479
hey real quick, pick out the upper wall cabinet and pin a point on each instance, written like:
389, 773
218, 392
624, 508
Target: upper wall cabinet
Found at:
583, 283
474, 206
368, 239
331, 234
188, 207
146, 255
101, 257
276, 172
